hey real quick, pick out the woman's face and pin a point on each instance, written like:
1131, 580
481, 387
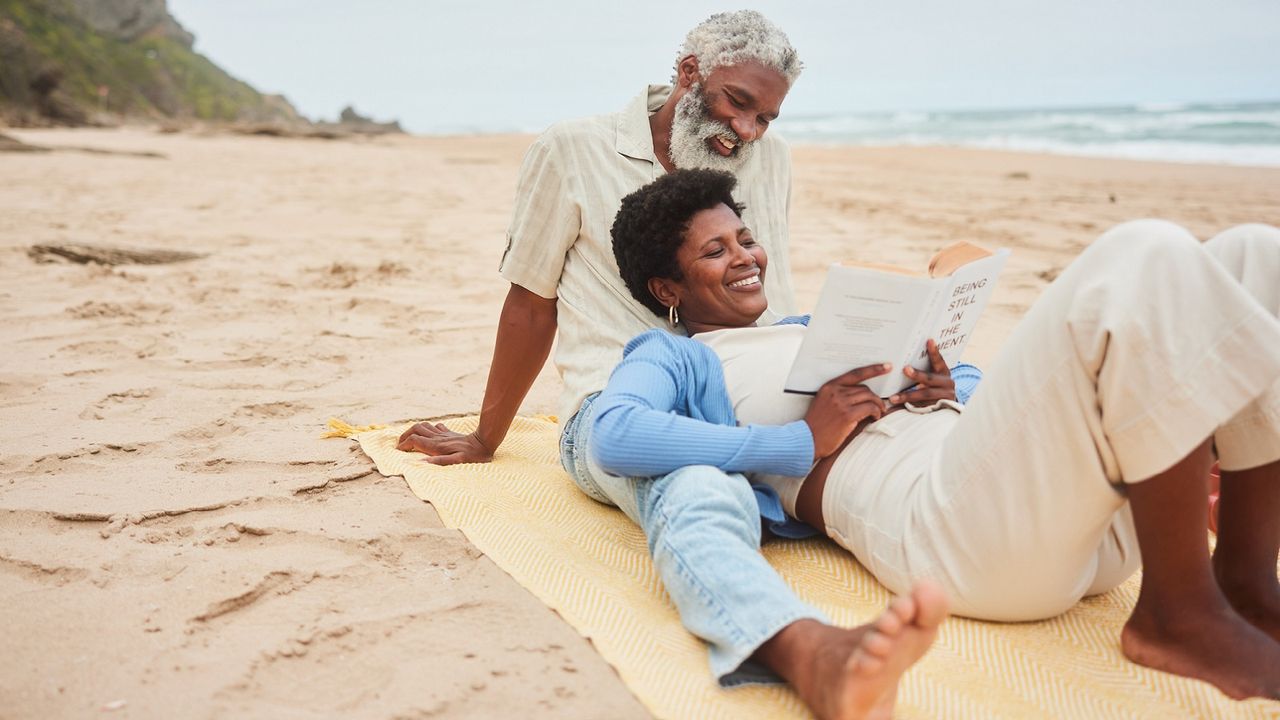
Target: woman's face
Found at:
723, 266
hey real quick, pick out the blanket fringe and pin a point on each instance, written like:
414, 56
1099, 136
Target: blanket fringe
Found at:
339, 428
342, 429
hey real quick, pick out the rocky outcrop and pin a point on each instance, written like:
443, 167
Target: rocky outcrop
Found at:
76, 62
100, 62
352, 121
132, 19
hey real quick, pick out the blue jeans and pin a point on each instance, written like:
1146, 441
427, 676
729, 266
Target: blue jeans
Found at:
703, 529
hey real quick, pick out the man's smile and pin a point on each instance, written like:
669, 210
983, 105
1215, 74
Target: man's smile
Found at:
724, 144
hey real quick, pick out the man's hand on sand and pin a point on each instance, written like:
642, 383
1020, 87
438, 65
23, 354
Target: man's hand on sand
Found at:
443, 446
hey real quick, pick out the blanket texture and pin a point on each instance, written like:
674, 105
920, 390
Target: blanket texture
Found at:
588, 562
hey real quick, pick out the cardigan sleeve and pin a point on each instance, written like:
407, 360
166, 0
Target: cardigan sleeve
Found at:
641, 425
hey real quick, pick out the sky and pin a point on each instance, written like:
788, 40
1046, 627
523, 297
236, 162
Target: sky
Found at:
444, 66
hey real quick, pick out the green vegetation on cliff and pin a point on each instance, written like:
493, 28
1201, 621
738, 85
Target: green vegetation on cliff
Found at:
54, 67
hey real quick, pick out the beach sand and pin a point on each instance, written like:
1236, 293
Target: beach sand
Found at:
175, 540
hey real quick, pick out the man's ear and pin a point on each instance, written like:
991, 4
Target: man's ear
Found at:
664, 290
687, 71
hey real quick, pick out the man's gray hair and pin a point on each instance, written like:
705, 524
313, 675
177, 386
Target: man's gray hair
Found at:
731, 38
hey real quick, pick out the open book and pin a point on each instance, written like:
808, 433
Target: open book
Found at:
870, 314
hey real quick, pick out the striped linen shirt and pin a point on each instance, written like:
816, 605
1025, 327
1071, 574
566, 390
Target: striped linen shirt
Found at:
558, 245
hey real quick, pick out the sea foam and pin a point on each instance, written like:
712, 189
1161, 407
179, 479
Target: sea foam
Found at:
1227, 133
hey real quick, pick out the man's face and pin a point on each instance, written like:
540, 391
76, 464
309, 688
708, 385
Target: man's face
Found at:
718, 119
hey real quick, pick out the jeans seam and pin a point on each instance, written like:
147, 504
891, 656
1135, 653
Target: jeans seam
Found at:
755, 643
703, 591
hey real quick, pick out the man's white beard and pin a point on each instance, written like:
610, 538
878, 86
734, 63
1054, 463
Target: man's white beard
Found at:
693, 127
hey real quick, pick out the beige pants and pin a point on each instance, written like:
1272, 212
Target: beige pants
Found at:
1148, 344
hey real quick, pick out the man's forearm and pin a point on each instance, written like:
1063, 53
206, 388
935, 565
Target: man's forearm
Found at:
526, 329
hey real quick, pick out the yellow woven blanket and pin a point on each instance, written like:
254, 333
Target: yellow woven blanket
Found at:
589, 563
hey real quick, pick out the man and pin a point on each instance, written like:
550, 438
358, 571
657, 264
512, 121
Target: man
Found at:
731, 77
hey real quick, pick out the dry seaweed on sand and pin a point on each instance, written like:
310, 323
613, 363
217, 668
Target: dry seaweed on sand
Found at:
103, 255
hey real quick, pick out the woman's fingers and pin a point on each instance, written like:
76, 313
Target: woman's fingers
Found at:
930, 389
927, 396
860, 375
934, 379
859, 394
935, 358
862, 406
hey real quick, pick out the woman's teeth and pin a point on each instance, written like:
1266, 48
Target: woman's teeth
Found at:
753, 280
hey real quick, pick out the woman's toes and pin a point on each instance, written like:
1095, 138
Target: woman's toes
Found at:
867, 664
889, 623
930, 604
877, 644
904, 607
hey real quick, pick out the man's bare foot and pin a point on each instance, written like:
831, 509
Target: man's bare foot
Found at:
1244, 561
1218, 647
1256, 600
845, 674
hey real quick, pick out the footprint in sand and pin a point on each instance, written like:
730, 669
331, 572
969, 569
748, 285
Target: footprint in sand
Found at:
216, 430
271, 410
134, 312
93, 456
119, 403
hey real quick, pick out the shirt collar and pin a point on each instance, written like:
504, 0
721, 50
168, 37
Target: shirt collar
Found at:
635, 139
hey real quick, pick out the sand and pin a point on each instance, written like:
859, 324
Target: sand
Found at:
176, 541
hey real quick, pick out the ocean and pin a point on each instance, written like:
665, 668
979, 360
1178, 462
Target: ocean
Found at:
1226, 133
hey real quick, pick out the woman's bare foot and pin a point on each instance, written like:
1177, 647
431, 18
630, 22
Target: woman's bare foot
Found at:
845, 674
1218, 647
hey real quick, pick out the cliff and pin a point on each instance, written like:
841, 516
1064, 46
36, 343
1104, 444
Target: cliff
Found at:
77, 62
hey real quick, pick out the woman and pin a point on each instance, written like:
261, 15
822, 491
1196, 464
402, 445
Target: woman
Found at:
1088, 445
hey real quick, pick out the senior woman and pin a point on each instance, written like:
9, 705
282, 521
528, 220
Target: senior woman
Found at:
1087, 447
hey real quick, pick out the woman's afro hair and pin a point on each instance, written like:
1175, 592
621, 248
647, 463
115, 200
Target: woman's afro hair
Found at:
650, 226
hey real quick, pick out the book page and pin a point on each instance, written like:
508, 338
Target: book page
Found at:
862, 317
956, 255
967, 294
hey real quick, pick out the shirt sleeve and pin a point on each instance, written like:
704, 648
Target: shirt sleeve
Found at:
545, 222
638, 431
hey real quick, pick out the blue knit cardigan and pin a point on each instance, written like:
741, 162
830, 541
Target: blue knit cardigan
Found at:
666, 407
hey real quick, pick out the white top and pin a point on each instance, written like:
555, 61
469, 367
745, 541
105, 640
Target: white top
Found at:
558, 245
756, 362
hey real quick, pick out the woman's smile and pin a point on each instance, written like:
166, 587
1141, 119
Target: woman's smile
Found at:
723, 268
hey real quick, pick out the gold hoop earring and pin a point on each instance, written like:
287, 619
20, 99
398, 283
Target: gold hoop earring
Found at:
673, 316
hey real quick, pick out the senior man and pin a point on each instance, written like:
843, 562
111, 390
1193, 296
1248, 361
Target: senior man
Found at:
731, 76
